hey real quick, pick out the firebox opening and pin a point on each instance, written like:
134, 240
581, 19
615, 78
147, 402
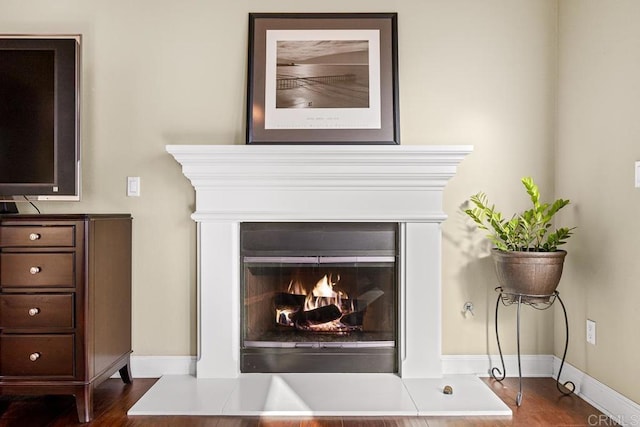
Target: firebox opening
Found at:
319, 297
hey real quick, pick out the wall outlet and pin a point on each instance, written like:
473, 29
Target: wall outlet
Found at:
591, 331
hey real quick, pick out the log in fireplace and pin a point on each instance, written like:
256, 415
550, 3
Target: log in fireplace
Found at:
319, 297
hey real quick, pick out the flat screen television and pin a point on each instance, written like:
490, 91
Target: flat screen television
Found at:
39, 119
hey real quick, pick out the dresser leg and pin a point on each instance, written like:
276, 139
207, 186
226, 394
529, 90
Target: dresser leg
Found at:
84, 403
125, 373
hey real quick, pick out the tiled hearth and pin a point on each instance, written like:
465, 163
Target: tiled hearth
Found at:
293, 183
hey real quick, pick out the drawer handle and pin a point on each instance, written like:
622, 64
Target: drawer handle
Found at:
34, 236
34, 356
34, 270
34, 311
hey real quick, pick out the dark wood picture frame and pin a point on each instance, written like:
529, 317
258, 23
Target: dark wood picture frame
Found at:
322, 78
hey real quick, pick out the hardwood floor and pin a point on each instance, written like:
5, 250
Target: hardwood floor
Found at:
542, 405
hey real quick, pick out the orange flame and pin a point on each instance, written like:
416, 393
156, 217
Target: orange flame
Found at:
295, 287
323, 294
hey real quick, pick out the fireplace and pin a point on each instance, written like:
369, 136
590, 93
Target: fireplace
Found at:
395, 188
319, 297
388, 362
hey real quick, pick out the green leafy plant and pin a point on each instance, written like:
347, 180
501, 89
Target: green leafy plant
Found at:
527, 231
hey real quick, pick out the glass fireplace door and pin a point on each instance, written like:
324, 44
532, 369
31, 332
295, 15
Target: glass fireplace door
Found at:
319, 297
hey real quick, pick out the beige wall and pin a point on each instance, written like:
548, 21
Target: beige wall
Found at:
166, 72
471, 72
599, 141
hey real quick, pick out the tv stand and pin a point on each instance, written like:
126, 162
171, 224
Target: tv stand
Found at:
8, 208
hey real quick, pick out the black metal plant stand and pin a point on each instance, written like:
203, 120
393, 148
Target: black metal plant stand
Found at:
539, 302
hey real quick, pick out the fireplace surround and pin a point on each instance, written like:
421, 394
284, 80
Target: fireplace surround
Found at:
397, 186
235, 184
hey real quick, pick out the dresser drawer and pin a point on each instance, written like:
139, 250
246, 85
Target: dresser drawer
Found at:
36, 269
36, 355
36, 236
36, 311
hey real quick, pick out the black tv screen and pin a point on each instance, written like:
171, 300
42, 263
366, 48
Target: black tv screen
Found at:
39, 118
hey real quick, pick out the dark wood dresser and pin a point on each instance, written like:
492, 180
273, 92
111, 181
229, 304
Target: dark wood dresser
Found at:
65, 304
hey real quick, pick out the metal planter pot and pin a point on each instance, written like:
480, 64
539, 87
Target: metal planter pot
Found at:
535, 275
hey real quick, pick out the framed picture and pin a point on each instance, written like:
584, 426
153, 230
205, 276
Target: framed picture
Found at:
322, 78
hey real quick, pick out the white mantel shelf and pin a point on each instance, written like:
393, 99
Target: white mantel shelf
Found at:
231, 180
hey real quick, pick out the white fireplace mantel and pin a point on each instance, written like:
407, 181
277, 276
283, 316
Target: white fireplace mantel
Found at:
319, 182
240, 183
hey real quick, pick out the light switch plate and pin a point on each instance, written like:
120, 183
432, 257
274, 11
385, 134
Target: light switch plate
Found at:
133, 186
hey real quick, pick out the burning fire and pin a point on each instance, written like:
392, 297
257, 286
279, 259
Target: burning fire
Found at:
322, 309
323, 294
296, 287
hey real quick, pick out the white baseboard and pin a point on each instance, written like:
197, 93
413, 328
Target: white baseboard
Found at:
481, 365
157, 366
532, 365
619, 408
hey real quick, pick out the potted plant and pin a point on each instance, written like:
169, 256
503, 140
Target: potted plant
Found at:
526, 255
